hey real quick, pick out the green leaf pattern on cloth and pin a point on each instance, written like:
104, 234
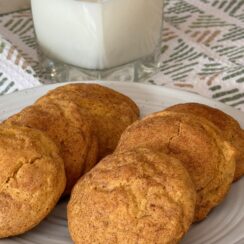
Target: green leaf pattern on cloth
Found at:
202, 50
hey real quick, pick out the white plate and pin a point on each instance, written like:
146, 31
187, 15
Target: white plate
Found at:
225, 225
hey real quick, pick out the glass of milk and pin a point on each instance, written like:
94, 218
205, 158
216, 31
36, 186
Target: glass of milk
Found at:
98, 39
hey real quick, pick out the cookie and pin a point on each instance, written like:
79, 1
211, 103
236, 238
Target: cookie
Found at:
195, 141
111, 111
72, 132
138, 196
229, 127
32, 178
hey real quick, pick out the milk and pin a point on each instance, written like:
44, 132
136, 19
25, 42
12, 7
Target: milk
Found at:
96, 34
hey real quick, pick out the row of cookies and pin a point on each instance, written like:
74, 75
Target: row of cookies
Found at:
169, 170
49, 145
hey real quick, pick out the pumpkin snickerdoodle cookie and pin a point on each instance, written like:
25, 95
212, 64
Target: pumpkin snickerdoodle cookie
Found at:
110, 111
229, 127
71, 130
32, 178
138, 196
195, 141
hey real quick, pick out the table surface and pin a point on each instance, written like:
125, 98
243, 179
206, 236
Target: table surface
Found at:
7, 6
202, 49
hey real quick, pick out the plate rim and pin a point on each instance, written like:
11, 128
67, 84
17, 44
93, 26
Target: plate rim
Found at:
120, 83
155, 88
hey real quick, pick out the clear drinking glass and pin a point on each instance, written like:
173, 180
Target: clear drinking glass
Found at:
98, 39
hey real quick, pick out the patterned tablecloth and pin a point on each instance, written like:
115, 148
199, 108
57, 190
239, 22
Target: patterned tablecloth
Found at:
202, 51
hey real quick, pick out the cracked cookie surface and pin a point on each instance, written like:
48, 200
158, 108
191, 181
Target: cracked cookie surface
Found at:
229, 127
110, 111
197, 143
65, 123
138, 196
32, 178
